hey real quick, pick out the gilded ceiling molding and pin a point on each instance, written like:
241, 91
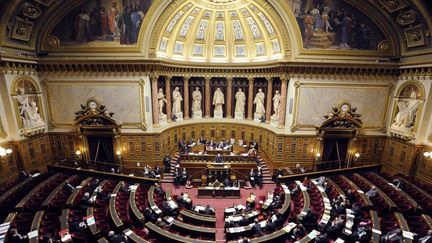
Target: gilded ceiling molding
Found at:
15, 66
416, 73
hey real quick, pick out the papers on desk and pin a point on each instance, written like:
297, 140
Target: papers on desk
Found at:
376, 231
289, 227
78, 187
32, 234
199, 208
407, 234
156, 209
90, 220
133, 188
169, 220
4, 227
35, 175
113, 194
339, 240
65, 236
128, 232
228, 210
360, 191
172, 204
312, 234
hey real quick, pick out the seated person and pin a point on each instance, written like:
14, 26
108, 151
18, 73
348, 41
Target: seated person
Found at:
159, 190
372, 192
252, 177
427, 238
116, 238
321, 238
85, 201
247, 184
189, 183
209, 211
309, 219
299, 231
351, 196
103, 195
216, 183
69, 188
124, 187
149, 215
270, 226
256, 229
218, 159
235, 183
321, 180
227, 182
160, 223
397, 183
393, 236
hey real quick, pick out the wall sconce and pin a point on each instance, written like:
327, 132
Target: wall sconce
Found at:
428, 155
5, 153
78, 154
317, 155
356, 157
118, 153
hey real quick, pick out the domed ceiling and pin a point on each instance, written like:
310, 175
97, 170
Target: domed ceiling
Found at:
220, 31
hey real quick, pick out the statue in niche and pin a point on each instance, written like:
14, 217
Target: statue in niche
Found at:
218, 100
161, 101
240, 101
259, 104
177, 99
196, 100
28, 109
407, 109
276, 104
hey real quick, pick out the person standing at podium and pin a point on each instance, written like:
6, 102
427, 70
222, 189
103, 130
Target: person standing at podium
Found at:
218, 159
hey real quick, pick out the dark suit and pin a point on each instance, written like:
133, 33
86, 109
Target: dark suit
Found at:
218, 159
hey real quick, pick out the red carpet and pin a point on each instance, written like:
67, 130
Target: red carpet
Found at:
219, 204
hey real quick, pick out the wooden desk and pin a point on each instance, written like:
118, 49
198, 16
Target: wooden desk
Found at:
376, 229
71, 200
112, 208
428, 220
306, 200
287, 201
426, 194
327, 206
197, 148
365, 199
133, 237
209, 192
403, 225
24, 201
152, 204
386, 198
170, 237
64, 219
36, 225
10, 219
51, 196
277, 236
133, 205
192, 218
218, 151
93, 227
309, 237
193, 230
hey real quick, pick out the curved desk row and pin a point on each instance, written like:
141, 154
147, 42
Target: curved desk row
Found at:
386, 198
364, 198
82, 186
51, 196
118, 223
167, 236
306, 199
190, 217
132, 203
29, 195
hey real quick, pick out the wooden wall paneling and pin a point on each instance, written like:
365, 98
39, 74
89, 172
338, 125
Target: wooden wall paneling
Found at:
398, 155
424, 168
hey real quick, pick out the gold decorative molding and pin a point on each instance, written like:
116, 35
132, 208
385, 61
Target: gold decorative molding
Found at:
2, 131
143, 125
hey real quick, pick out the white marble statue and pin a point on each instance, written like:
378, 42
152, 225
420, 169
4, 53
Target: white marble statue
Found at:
218, 100
196, 100
161, 101
259, 104
406, 116
276, 104
177, 99
28, 110
240, 101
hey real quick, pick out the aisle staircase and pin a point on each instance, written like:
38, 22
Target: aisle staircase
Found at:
267, 174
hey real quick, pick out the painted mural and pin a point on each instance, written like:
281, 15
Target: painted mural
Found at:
103, 23
334, 24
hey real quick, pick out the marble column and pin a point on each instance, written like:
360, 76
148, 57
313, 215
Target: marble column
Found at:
250, 98
186, 97
229, 97
207, 97
269, 99
154, 80
168, 97
283, 102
